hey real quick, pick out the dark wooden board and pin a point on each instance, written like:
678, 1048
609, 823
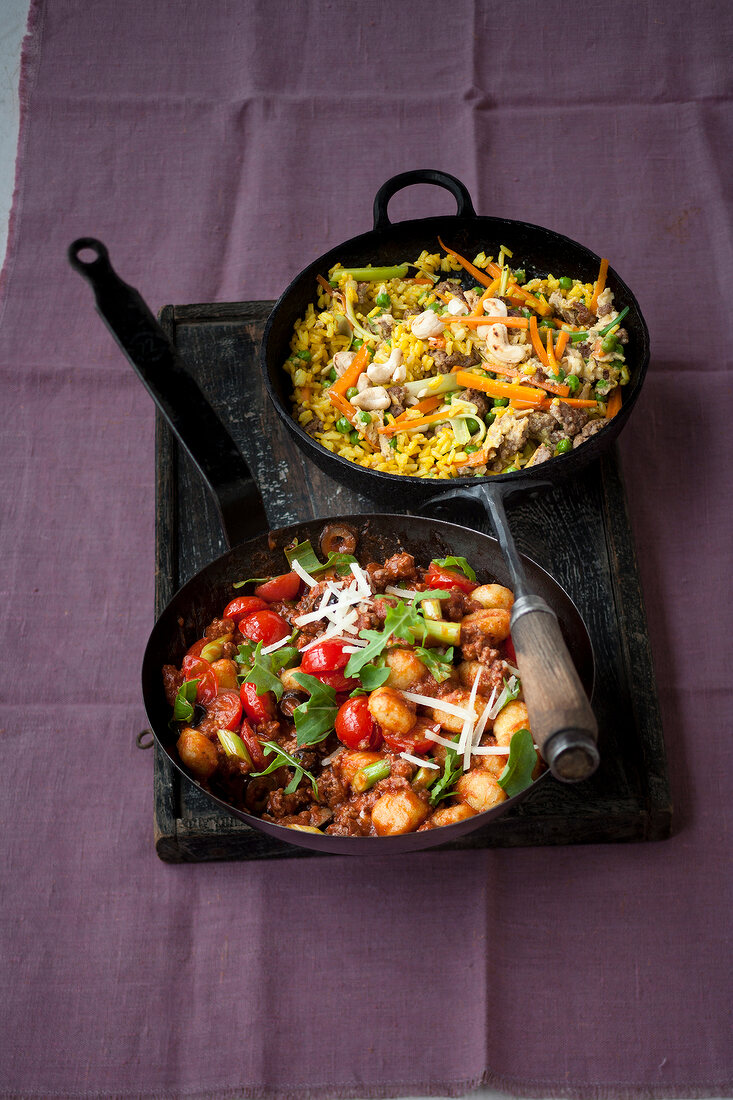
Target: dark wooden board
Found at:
581, 535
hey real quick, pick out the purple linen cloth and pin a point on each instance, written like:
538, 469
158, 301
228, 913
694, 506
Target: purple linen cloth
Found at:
217, 148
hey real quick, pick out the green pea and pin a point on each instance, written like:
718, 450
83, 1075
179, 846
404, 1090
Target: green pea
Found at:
470, 448
354, 437
489, 419
602, 388
520, 275
363, 417
609, 343
501, 402
356, 344
304, 354
383, 299
560, 376
478, 289
472, 425
342, 425
332, 375
351, 392
573, 383
566, 282
393, 443
563, 446
527, 313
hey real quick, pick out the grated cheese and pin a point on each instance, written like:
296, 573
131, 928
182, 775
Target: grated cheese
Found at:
469, 724
491, 750
276, 645
420, 763
438, 704
440, 740
304, 574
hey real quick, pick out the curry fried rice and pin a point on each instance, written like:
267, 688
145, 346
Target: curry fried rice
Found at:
446, 367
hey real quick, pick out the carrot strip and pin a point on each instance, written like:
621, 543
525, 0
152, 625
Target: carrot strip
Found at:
490, 291
515, 288
576, 402
551, 360
325, 284
478, 458
613, 404
420, 282
561, 344
565, 326
478, 275
436, 341
345, 407
498, 389
425, 406
408, 425
551, 387
600, 283
443, 297
351, 375
510, 322
534, 333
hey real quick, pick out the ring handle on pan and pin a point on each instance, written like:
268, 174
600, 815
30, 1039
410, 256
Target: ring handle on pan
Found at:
164, 375
563, 723
421, 175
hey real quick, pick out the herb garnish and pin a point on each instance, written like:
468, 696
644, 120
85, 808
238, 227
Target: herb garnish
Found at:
438, 664
517, 774
452, 562
305, 555
315, 718
284, 759
403, 621
452, 770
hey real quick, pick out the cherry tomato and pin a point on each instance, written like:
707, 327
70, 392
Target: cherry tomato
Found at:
243, 605
415, 740
326, 656
437, 577
195, 650
284, 587
258, 708
355, 726
264, 626
196, 668
226, 709
336, 680
510, 652
254, 748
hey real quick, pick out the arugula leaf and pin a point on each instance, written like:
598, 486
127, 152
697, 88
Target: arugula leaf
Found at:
284, 759
452, 562
315, 718
452, 770
403, 621
185, 698
517, 774
245, 655
439, 665
265, 667
305, 555
373, 676
509, 693
250, 580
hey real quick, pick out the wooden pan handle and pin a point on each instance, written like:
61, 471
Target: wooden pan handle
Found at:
563, 723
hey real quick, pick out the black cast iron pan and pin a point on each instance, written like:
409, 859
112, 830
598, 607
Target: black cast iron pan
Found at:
261, 553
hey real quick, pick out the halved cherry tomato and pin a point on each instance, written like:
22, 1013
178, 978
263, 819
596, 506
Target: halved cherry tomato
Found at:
337, 681
509, 651
284, 587
226, 709
196, 668
355, 726
243, 605
264, 626
258, 708
254, 748
326, 656
414, 741
437, 577
195, 650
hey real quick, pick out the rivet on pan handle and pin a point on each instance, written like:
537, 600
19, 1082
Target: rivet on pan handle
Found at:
164, 375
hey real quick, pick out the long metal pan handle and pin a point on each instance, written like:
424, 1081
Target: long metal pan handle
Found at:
563, 723
164, 375
421, 175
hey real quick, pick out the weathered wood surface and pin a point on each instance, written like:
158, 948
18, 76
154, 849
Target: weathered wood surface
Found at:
580, 534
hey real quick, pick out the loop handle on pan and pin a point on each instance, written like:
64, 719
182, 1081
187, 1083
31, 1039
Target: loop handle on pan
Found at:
164, 375
421, 175
563, 723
